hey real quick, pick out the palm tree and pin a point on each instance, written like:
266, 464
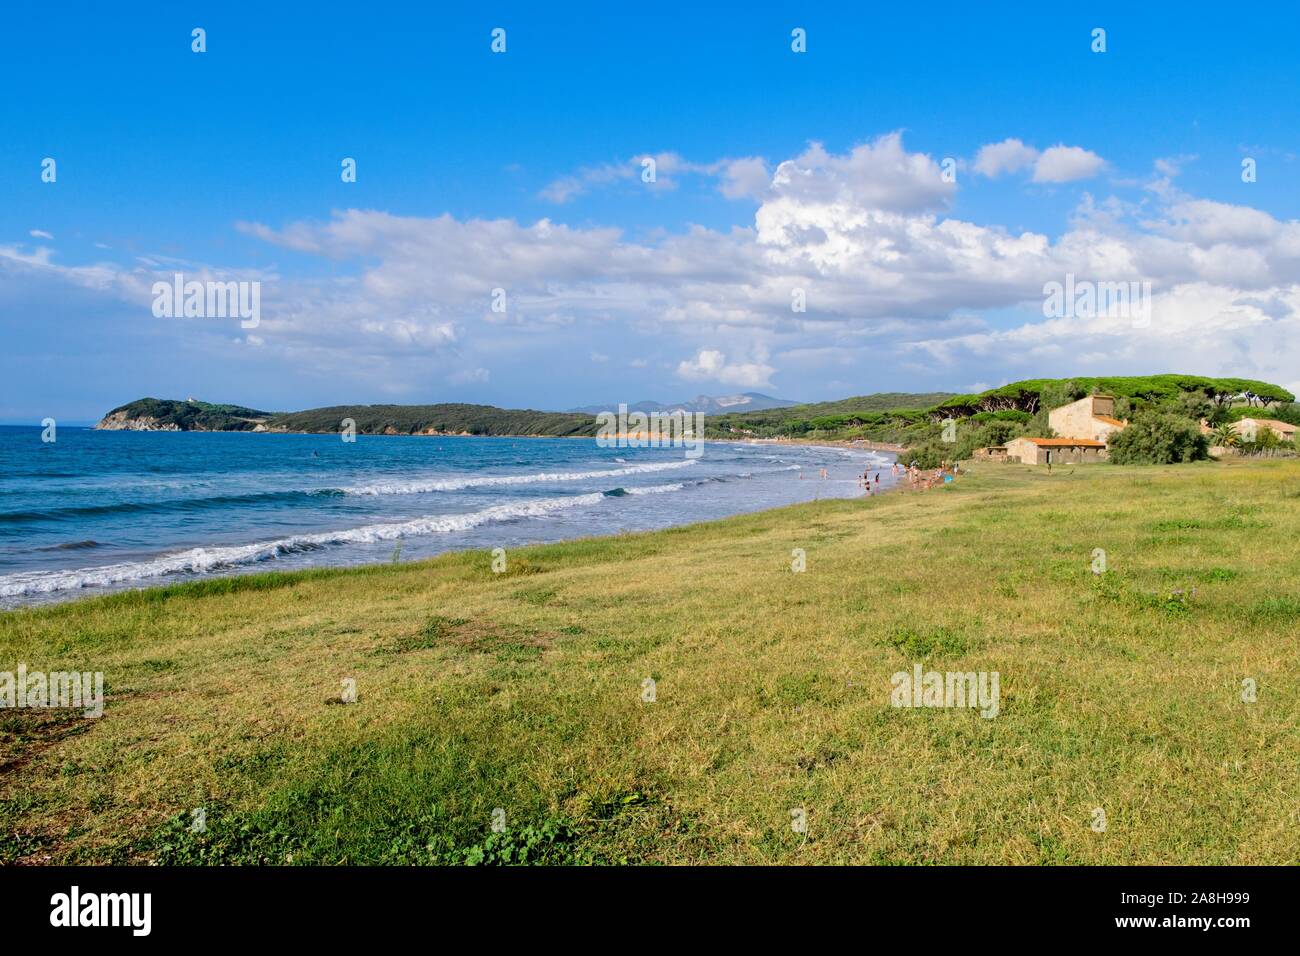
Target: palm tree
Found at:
1225, 436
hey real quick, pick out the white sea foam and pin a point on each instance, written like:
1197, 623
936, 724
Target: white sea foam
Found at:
655, 489
199, 560
483, 481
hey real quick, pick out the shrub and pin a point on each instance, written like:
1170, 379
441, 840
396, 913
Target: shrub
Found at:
1158, 438
1266, 442
928, 454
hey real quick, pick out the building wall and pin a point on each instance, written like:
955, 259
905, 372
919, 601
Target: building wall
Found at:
1027, 453
1073, 420
1101, 431
1080, 456
1077, 420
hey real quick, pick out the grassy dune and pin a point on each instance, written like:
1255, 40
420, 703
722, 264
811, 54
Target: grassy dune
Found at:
523, 691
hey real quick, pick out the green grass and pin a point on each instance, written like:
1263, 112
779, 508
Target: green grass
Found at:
523, 691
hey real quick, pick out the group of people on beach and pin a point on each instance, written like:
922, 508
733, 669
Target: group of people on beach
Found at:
917, 479
925, 479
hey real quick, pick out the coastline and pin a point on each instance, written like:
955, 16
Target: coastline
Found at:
441, 526
222, 693
251, 578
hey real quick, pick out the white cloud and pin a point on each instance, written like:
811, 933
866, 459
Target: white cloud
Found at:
889, 277
1208, 223
563, 189
410, 332
744, 178
747, 178
880, 175
711, 365
665, 167
40, 234
1059, 164
1063, 164
1008, 156
1197, 327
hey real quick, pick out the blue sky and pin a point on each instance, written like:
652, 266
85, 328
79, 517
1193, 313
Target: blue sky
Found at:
522, 171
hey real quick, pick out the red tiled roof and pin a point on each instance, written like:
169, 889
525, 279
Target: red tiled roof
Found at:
1067, 442
1108, 420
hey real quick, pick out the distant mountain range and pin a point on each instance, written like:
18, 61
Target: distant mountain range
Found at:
709, 404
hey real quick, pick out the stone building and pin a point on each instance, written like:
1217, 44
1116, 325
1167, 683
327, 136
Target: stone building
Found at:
1090, 417
1055, 451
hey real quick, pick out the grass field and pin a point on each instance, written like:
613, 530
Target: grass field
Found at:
524, 691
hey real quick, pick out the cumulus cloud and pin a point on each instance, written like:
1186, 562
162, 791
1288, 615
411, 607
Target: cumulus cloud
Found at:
1059, 164
1063, 164
1206, 223
863, 235
1008, 156
1195, 326
711, 365
880, 175
887, 277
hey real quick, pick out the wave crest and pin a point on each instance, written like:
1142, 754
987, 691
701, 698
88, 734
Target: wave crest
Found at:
484, 481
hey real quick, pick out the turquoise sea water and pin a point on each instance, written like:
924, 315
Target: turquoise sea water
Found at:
98, 511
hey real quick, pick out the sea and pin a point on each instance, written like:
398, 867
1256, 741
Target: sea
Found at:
99, 511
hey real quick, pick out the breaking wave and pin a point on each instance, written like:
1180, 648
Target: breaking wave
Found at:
484, 481
200, 560
203, 560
